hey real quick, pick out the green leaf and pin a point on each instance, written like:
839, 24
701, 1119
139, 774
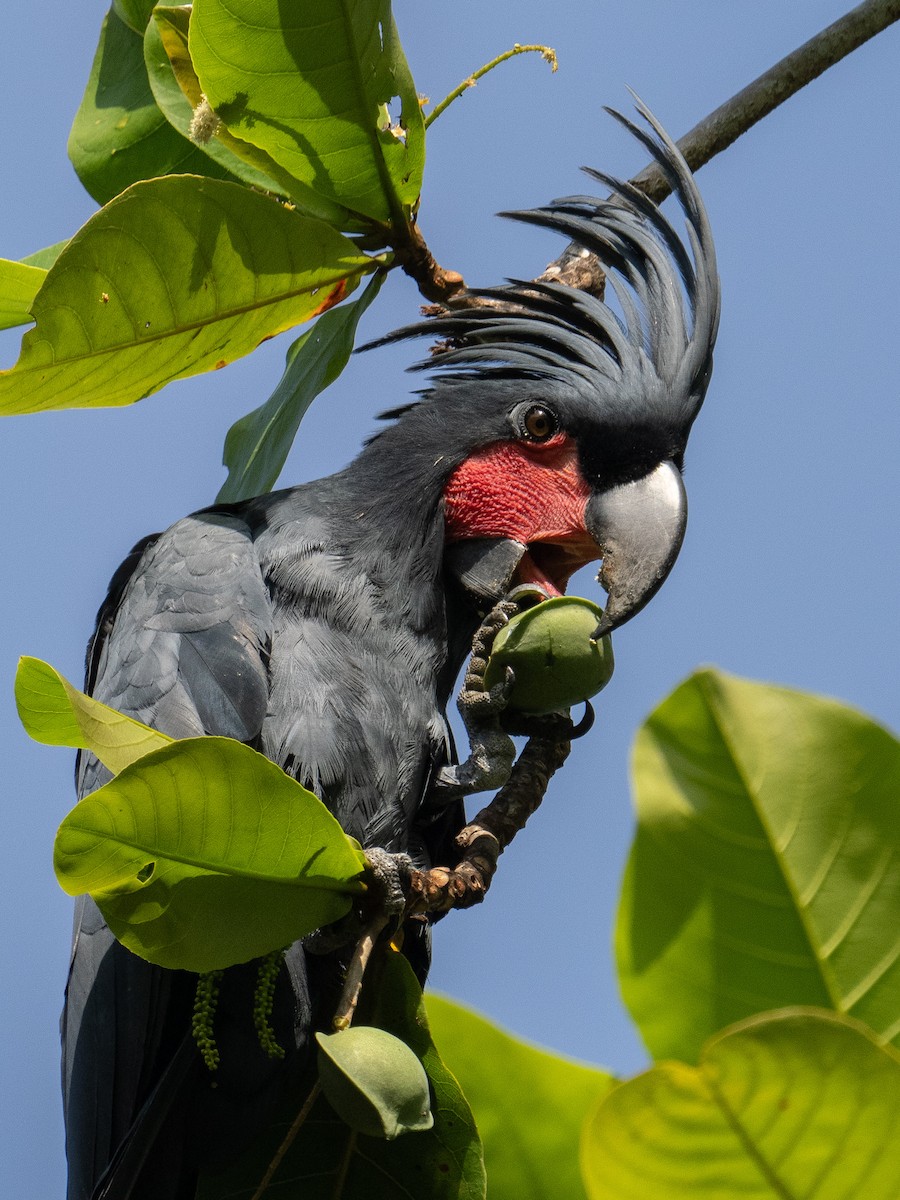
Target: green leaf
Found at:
798, 1105
45, 258
766, 866
177, 93
119, 135
315, 93
135, 13
19, 284
58, 714
334, 1163
529, 1104
257, 444
174, 277
205, 854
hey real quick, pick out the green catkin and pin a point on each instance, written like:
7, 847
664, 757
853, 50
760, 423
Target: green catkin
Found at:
263, 998
205, 1001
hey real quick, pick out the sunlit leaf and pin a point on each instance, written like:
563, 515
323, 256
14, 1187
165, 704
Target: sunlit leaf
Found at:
178, 93
766, 866
796, 1105
165, 47
257, 445
529, 1104
319, 93
119, 135
333, 1163
174, 277
205, 853
58, 714
19, 284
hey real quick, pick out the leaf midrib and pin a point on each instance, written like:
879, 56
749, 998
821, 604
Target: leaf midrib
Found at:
826, 976
229, 314
381, 167
322, 882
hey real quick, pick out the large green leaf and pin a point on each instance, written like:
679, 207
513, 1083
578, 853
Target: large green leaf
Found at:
174, 277
257, 444
798, 1105
766, 866
329, 1162
205, 854
529, 1104
58, 714
312, 85
165, 49
119, 135
178, 93
19, 284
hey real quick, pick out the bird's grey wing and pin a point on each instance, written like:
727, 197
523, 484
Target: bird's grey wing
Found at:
181, 644
185, 648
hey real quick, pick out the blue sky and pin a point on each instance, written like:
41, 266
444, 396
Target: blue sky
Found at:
790, 568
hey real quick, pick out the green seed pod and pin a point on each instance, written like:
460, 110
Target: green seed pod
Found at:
374, 1082
554, 661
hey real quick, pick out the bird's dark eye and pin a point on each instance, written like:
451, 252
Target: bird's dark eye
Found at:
538, 423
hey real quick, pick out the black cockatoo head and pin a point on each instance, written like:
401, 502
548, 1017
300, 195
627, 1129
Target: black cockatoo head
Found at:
561, 424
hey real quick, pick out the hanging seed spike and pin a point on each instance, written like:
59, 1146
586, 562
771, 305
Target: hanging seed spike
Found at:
263, 999
206, 999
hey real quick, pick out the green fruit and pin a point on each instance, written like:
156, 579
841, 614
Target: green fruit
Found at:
555, 663
374, 1082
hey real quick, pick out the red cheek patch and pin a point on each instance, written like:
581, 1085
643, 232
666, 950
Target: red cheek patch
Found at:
527, 491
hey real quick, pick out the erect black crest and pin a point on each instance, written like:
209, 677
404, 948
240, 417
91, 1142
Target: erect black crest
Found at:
650, 362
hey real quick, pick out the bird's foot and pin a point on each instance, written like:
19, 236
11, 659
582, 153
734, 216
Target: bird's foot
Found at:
491, 751
389, 876
388, 880
484, 839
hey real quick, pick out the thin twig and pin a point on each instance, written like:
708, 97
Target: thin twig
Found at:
288, 1140
548, 54
356, 970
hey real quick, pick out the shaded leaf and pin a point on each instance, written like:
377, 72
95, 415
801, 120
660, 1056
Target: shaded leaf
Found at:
174, 277
257, 445
797, 1105
205, 854
766, 864
19, 284
45, 258
119, 135
58, 714
330, 1162
318, 94
135, 13
530, 1147
177, 95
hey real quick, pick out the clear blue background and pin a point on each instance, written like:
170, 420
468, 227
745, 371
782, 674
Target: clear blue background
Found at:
789, 572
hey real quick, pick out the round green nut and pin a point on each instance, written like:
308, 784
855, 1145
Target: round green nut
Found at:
555, 664
374, 1082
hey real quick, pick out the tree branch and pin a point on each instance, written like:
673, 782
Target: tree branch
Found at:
575, 267
733, 118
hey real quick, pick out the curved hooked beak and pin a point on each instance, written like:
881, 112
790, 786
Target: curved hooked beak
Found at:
639, 527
